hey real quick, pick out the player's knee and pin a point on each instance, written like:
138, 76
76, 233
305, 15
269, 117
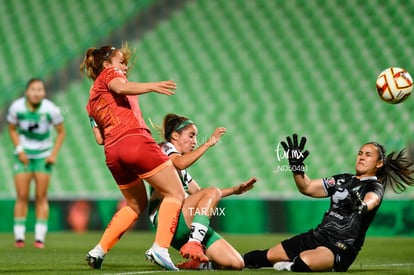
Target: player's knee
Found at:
178, 194
214, 192
137, 207
41, 200
180, 197
232, 264
238, 264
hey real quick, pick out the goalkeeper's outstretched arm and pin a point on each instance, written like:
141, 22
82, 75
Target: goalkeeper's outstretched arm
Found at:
295, 150
312, 188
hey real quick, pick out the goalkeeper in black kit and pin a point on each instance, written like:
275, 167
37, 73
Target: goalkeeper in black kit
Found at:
354, 201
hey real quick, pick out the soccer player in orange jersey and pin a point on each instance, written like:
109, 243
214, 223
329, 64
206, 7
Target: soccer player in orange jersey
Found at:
131, 153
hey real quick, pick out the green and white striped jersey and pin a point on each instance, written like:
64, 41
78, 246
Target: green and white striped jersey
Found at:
35, 127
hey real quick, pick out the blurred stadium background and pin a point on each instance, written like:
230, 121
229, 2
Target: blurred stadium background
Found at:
262, 68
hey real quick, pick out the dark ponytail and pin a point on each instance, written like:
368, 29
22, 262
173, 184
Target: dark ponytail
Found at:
397, 170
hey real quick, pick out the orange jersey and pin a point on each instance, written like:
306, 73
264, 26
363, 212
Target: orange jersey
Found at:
114, 114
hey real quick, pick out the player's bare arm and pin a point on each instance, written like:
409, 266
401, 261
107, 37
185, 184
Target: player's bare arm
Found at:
120, 86
312, 188
183, 161
240, 188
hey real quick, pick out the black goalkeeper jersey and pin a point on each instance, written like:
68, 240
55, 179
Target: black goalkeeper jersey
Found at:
341, 226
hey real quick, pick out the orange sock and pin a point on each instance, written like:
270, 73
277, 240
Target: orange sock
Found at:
167, 221
121, 222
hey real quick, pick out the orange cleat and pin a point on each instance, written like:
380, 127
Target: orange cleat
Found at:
193, 250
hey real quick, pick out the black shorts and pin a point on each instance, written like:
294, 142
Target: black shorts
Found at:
344, 257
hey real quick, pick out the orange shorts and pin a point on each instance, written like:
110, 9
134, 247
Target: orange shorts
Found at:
135, 155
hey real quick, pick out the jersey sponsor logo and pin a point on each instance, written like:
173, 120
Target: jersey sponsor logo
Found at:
33, 126
341, 245
336, 215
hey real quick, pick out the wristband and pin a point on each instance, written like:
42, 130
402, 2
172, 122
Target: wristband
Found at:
297, 168
92, 122
18, 149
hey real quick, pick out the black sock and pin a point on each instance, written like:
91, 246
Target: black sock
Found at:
256, 259
299, 265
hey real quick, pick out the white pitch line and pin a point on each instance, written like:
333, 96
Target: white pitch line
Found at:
135, 272
385, 265
185, 271
140, 272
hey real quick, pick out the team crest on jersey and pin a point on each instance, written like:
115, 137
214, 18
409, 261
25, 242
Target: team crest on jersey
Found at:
330, 181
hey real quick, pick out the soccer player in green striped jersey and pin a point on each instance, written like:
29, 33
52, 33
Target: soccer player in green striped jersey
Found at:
30, 122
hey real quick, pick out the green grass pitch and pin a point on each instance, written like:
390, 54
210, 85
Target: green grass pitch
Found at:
65, 252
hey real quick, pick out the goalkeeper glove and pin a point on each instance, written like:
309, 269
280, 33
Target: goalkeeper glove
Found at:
295, 153
358, 205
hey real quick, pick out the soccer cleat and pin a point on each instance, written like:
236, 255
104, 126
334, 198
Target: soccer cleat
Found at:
195, 264
283, 266
19, 243
193, 250
160, 258
94, 262
39, 244
95, 258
